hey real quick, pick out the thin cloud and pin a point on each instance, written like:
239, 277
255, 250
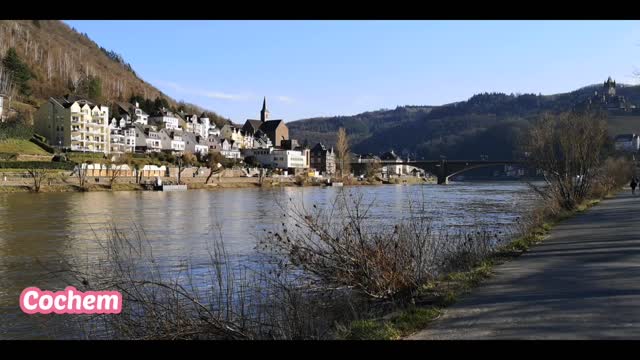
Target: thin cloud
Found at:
284, 99
224, 96
204, 93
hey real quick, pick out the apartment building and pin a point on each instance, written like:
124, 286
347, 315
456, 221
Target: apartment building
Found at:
74, 124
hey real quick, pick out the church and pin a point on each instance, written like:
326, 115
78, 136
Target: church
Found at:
275, 130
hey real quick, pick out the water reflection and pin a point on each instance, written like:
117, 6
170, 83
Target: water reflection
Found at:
38, 231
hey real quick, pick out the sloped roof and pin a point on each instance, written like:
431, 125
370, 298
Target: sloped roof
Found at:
270, 125
255, 124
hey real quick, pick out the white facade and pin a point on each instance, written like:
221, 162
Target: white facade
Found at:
1, 107
230, 149
122, 137
167, 118
141, 117
147, 138
282, 159
172, 140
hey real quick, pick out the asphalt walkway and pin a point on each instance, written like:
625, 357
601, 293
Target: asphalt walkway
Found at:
583, 282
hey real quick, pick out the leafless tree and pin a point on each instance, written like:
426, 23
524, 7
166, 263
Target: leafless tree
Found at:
6, 88
214, 162
342, 152
568, 148
81, 174
185, 160
115, 167
38, 176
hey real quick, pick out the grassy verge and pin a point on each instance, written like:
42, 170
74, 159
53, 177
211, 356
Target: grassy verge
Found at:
436, 295
20, 146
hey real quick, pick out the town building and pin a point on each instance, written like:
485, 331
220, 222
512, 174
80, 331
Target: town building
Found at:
391, 169
627, 142
283, 159
122, 137
75, 124
132, 113
172, 140
165, 118
233, 132
276, 130
323, 159
147, 138
261, 141
195, 144
230, 149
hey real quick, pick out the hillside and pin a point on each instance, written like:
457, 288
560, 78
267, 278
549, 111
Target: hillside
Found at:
485, 124
60, 60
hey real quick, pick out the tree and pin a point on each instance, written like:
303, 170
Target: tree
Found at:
215, 163
342, 152
115, 167
38, 176
89, 87
81, 175
19, 71
568, 149
6, 86
372, 169
185, 160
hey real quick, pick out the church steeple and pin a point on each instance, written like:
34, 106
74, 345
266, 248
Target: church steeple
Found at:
264, 113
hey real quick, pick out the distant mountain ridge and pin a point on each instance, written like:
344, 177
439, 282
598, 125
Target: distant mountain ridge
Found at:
488, 124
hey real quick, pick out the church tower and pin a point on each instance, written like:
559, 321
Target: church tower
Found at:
264, 113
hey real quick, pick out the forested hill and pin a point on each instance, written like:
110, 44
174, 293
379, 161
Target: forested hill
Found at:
487, 124
54, 59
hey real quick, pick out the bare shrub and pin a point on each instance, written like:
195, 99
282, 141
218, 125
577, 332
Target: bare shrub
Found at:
218, 300
341, 247
614, 173
38, 176
568, 148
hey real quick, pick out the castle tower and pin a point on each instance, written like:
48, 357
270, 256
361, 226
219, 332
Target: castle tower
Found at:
610, 87
264, 113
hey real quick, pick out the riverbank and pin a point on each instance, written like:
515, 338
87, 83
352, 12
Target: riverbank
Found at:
436, 296
225, 183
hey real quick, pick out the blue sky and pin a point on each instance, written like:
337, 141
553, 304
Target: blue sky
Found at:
325, 68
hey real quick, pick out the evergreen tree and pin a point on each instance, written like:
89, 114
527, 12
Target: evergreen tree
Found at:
20, 72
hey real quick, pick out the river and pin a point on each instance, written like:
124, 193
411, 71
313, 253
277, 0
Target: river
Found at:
38, 232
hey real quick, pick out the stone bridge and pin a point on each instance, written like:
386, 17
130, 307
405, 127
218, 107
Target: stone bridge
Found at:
443, 168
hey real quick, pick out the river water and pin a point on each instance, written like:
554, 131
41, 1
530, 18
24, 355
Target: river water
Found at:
40, 232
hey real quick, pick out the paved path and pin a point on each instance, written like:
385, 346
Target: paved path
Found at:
583, 282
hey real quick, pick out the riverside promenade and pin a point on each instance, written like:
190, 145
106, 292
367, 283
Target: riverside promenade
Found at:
582, 282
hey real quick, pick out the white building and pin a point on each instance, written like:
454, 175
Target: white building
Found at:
74, 124
133, 113
1, 108
122, 137
195, 143
166, 117
281, 158
172, 140
230, 149
147, 138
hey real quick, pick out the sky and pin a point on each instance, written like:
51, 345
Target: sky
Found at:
326, 68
